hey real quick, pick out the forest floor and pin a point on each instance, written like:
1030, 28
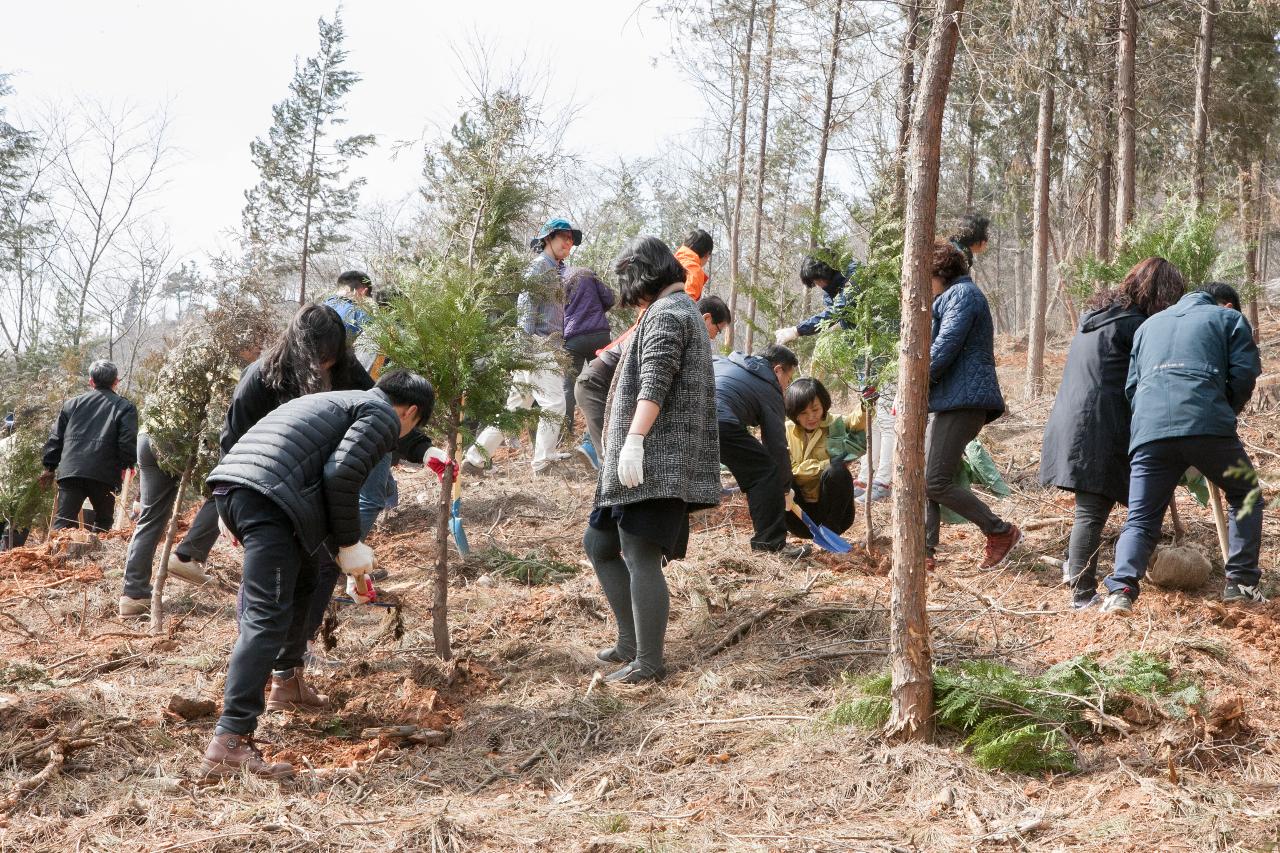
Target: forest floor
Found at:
731, 752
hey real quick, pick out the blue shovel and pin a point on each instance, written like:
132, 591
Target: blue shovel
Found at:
455, 517
825, 538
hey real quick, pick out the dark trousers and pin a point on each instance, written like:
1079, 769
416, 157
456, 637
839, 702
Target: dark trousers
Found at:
158, 491
591, 392
758, 476
279, 577
72, 492
201, 535
582, 348
1092, 511
630, 572
834, 507
945, 439
1154, 471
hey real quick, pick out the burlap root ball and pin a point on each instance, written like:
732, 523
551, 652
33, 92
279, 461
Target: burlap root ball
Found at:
1179, 568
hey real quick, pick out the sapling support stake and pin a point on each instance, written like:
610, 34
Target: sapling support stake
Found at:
162, 573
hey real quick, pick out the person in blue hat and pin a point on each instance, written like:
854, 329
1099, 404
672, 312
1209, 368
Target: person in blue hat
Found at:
540, 312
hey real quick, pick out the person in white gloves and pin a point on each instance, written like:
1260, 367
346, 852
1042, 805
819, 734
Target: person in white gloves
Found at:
660, 456
816, 270
288, 490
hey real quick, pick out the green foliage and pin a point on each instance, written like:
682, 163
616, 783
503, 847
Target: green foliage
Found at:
1180, 235
1024, 723
531, 569
301, 196
22, 501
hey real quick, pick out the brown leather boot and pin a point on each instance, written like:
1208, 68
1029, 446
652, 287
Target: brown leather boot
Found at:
290, 692
230, 753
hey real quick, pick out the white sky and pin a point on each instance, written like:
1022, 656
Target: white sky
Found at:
219, 66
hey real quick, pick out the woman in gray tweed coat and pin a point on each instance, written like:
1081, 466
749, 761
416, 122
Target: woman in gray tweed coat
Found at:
661, 456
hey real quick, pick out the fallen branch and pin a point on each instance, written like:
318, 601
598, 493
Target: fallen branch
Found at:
57, 755
741, 629
537, 756
755, 718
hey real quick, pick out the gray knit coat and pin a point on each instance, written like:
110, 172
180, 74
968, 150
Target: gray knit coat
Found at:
667, 360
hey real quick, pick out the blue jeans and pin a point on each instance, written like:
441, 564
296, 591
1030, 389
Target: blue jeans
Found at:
1155, 469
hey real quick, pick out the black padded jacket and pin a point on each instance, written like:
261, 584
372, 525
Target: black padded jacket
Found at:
95, 437
310, 457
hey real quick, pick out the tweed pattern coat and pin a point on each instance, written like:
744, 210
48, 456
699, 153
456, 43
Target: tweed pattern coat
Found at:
668, 361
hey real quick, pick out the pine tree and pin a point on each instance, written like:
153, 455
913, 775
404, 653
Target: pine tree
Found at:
300, 205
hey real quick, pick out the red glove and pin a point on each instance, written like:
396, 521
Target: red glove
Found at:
438, 462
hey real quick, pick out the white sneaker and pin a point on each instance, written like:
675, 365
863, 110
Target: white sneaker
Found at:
130, 607
188, 570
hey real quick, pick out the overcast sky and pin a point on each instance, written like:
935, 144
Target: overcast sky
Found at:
219, 66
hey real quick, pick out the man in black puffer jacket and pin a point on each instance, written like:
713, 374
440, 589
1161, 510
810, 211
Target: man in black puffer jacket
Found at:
289, 490
93, 443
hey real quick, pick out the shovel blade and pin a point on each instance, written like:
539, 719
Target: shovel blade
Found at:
825, 538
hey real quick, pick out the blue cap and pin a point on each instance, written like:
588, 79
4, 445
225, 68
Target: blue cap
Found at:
554, 225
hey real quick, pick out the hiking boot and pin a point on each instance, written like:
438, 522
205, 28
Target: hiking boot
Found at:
1119, 603
588, 450
795, 552
1241, 593
612, 655
190, 571
880, 492
290, 692
999, 545
130, 607
1085, 599
930, 563
230, 753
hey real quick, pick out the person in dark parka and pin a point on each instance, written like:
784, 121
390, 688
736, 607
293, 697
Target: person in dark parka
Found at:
289, 490
93, 443
1086, 441
1192, 371
964, 396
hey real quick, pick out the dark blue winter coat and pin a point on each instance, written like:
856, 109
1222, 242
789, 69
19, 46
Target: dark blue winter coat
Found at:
586, 301
833, 302
748, 393
1192, 370
962, 359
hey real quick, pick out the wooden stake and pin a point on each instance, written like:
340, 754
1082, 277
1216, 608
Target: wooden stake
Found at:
162, 573
1219, 520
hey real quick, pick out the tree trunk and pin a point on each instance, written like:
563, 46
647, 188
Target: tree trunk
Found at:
760, 168
906, 92
1126, 191
1250, 189
1200, 133
1104, 137
735, 227
824, 140
871, 462
440, 603
311, 190
1040, 243
162, 573
911, 716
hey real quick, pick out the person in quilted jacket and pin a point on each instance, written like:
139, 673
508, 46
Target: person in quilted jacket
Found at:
288, 490
964, 396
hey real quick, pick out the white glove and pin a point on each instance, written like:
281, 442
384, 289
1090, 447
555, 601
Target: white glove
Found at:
631, 461
782, 337
356, 560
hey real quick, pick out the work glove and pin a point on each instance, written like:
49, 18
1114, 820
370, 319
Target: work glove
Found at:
361, 590
438, 462
870, 394
782, 337
356, 560
631, 461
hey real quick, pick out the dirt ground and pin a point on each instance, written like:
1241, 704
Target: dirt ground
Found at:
730, 753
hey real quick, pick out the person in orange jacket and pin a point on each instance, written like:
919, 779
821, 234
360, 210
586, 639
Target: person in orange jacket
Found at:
694, 255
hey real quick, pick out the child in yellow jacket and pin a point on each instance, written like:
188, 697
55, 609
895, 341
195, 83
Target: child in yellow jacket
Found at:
821, 446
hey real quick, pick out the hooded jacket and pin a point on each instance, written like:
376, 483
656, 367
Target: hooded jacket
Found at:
833, 302
1086, 441
587, 300
1192, 370
748, 393
311, 456
962, 359
695, 277
95, 437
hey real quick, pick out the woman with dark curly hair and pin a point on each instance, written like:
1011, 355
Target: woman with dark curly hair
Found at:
972, 235
964, 396
1086, 441
660, 456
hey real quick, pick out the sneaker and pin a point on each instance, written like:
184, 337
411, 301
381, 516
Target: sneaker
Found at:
379, 575
633, 674
190, 571
612, 655
130, 607
228, 754
1085, 599
880, 492
290, 692
858, 492
1119, 603
1243, 594
795, 552
999, 546
588, 450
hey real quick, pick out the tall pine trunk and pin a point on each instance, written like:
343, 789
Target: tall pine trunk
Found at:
760, 175
824, 139
911, 716
906, 92
1200, 132
1040, 243
1126, 191
735, 227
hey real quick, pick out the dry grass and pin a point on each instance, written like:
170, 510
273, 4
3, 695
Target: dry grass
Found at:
731, 753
